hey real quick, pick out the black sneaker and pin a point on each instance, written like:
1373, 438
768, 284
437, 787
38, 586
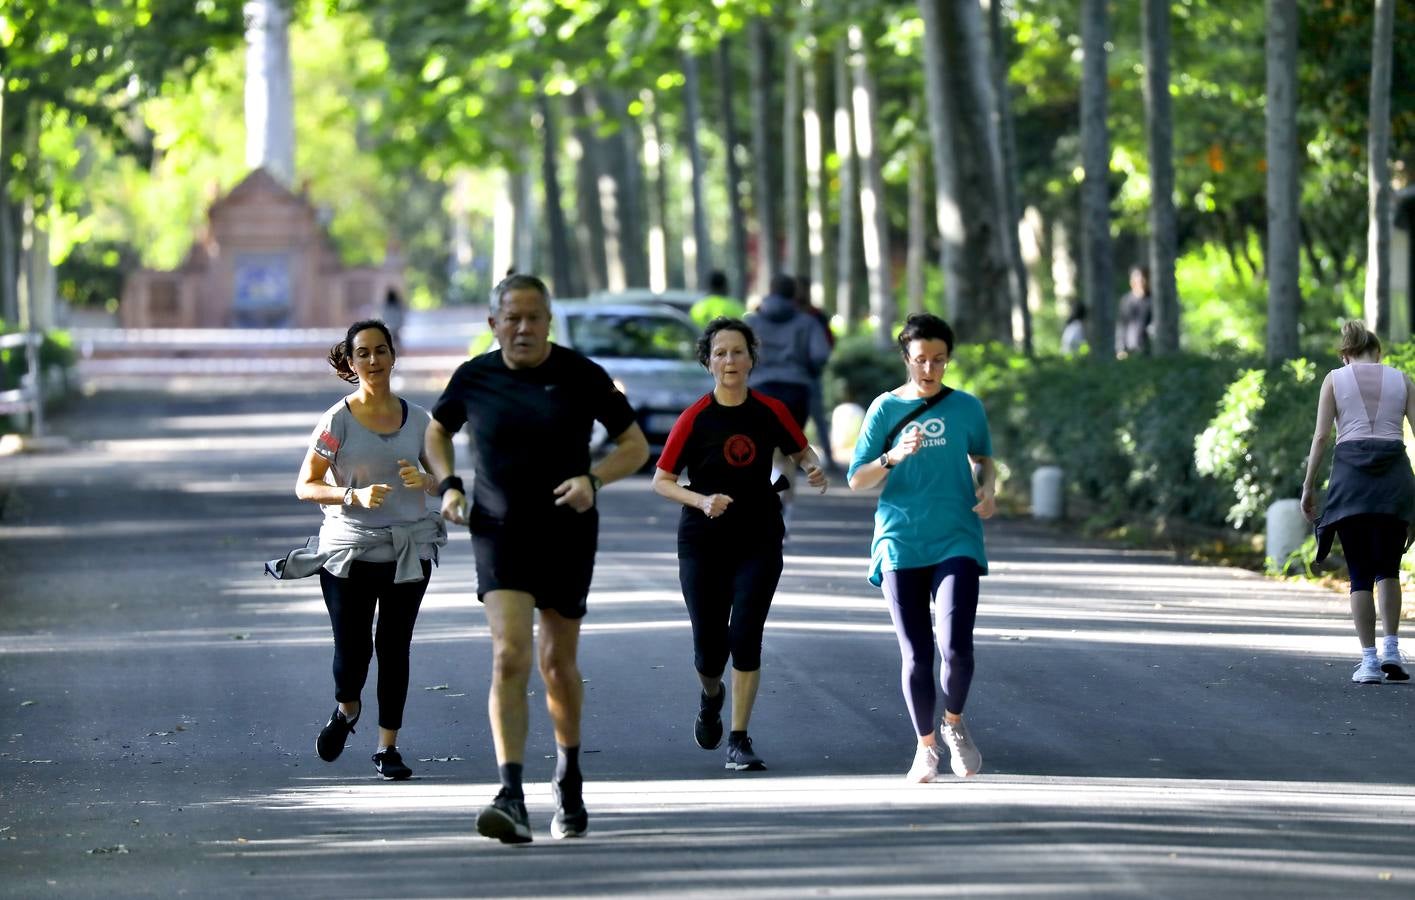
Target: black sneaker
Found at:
707, 730
330, 742
571, 820
741, 758
389, 763
505, 819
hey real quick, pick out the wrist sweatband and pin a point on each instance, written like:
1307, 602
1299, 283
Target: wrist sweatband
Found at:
450, 483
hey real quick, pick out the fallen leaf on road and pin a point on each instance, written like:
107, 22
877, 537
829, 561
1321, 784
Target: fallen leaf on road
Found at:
440, 759
436, 687
116, 848
28, 702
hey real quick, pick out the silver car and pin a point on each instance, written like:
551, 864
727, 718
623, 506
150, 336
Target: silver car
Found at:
649, 349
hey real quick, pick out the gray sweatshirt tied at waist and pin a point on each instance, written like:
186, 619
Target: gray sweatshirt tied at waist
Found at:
344, 541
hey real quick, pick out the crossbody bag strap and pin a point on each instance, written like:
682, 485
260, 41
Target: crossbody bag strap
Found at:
929, 403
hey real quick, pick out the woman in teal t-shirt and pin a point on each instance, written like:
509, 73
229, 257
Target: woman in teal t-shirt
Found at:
922, 440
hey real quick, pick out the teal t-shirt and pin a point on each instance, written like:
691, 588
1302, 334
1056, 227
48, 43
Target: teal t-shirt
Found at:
925, 513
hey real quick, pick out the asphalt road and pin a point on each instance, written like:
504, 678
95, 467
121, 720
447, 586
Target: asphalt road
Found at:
1148, 728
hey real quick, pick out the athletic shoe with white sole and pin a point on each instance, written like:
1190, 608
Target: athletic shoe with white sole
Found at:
741, 757
964, 758
505, 819
332, 736
1394, 666
1367, 672
925, 767
707, 727
571, 820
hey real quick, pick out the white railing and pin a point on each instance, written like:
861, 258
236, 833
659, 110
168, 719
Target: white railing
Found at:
28, 398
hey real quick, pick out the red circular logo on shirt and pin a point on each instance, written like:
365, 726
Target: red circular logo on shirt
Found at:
739, 450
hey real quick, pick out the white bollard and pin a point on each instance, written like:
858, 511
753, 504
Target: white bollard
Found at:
845, 422
1287, 528
1047, 494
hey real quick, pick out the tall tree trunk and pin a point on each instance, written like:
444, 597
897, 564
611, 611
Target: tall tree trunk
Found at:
1095, 190
697, 251
764, 183
562, 263
959, 310
590, 230
11, 136
918, 225
813, 144
845, 149
793, 213
1000, 42
628, 152
874, 214
270, 105
1284, 225
523, 255
971, 207
736, 220
654, 165
1159, 122
1378, 313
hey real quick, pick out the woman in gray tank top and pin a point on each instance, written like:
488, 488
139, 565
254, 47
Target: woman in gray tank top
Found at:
1370, 501
375, 551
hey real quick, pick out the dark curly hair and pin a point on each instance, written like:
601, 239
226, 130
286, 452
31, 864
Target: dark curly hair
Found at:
341, 355
725, 323
924, 327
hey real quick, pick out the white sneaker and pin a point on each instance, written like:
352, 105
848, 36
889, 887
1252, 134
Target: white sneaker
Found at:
1394, 666
1367, 673
925, 767
965, 760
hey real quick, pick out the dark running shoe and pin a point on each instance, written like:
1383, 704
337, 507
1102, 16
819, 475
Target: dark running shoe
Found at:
741, 758
505, 819
707, 730
571, 820
330, 742
389, 763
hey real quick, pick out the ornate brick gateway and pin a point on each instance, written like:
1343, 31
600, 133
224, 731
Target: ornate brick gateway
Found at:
264, 260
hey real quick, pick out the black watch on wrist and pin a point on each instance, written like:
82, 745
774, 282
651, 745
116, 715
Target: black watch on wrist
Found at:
595, 481
450, 483
884, 461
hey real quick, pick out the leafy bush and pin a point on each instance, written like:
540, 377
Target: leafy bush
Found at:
1258, 441
56, 350
859, 370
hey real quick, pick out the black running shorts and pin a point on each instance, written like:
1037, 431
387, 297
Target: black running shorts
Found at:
551, 558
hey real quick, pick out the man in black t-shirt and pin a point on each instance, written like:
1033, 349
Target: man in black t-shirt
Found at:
530, 406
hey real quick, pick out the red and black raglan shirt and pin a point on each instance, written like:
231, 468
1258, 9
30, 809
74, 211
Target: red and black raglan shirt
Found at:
728, 450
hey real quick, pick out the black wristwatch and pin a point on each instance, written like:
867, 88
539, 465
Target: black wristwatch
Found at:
450, 483
884, 461
595, 481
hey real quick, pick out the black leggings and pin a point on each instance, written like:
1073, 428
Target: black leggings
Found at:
953, 586
1372, 545
351, 603
728, 593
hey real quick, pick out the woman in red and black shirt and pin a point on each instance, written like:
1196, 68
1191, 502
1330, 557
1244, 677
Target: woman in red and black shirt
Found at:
730, 531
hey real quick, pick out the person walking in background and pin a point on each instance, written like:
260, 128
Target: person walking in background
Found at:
717, 303
922, 440
817, 411
792, 351
1135, 314
1073, 336
1371, 495
393, 315
530, 406
379, 540
730, 529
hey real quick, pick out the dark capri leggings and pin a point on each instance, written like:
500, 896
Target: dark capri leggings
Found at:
728, 593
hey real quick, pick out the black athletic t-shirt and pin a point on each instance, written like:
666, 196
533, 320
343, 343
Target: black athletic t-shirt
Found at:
727, 450
530, 428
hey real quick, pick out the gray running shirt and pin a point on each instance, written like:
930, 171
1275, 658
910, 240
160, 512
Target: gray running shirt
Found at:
359, 457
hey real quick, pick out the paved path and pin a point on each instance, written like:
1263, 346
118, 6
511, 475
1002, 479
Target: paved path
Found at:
1149, 728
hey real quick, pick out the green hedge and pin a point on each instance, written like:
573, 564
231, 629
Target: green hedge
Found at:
1213, 440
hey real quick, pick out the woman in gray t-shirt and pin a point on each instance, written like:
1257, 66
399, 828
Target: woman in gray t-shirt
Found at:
379, 539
